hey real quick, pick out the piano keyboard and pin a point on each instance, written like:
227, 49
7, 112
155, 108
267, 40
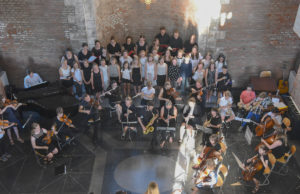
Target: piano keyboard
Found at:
166, 129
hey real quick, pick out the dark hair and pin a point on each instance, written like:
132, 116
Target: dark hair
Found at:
221, 55
97, 41
142, 36
59, 110
123, 68
29, 71
84, 44
112, 38
128, 37
175, 31
162, 28
225, 67
69, 50
275, 110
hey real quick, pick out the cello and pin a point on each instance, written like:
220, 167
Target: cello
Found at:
264, 127
255, 166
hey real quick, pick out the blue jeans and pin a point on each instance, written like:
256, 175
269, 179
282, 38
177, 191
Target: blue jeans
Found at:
249, 116
77, 93
184, 83
11, 117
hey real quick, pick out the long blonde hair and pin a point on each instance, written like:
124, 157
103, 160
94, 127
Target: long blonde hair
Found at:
152, 188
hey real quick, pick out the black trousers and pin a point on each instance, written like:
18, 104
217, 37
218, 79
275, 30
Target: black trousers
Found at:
64, 132
3, 146
96, 126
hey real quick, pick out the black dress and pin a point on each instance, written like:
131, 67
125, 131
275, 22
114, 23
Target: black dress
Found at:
87, 76
136, 76
97, 82
97, 53
40, 142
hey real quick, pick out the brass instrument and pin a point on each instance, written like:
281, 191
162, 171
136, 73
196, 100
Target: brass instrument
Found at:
149, 127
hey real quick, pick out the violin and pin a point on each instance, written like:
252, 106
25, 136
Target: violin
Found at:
48, 138
94, 102
65, 120
11, 102
265, 126
203, 176
172, 92
255, 166
208, 153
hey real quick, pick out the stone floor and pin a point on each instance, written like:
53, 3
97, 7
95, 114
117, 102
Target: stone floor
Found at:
114, 165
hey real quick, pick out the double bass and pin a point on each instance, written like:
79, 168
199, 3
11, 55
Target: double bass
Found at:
264, 127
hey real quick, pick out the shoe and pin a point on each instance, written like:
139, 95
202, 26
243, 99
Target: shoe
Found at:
3, 159
90, 120
20, 140
122, 137
240, 129
12, 142
7, 155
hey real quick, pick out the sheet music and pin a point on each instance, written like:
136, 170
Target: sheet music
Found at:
241, 165
248, 135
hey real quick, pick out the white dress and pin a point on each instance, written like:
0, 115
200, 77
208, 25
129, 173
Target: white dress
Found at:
150, 74
105, 76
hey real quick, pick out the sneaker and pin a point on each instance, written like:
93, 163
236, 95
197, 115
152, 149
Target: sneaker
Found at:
90, 120
122, 136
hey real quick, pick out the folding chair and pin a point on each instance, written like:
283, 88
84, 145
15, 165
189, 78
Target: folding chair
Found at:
38, 156
222, 174
284, 160
111, 110
267, 173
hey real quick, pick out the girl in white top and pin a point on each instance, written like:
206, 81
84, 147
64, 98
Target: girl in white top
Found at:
220, 62
65, 71
126, 71
199, 72
143, 61
155, 55
195, 56
78, 87
151, 71
105, 72
124, 58
225, 107
162, 72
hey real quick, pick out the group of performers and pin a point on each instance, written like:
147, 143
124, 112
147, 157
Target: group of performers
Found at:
164, 70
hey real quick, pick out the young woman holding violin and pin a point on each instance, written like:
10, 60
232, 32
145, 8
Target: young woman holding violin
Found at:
9, 108
165, 94
199, 93
42, 141
63, 125
256, 166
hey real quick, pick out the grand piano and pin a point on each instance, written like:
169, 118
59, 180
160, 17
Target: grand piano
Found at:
44, 98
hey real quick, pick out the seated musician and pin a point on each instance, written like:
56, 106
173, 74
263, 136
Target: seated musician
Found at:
247, 97
4, 155
207, 177
168, 115
113, 94
148, 93
213, 122
64, 130
128, 114
191, 114
223, 81
32, 79
43, 143
279, 147
261, 103
165, 94
10, 110
225, 104
144, 118
89, 110
276, 117
199, 94
261, 156
214, 144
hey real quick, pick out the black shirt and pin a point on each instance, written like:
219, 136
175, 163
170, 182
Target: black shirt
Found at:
188, 46
87, 72
141, 48
129, 47
113, 49
176, 43
114, 96
214, 121
132, 116
223, 82
163, 40
147, 115
82, 57
279, 151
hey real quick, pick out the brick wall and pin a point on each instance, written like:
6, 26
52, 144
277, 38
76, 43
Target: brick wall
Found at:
259, 37
34, 33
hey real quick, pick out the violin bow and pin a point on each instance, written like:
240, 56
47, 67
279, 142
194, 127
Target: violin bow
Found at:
27, 121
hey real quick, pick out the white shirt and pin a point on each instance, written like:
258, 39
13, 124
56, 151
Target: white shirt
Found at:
128, 59
65, 72
126, 73
32, 81
148, 92
225, 102
77, 74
